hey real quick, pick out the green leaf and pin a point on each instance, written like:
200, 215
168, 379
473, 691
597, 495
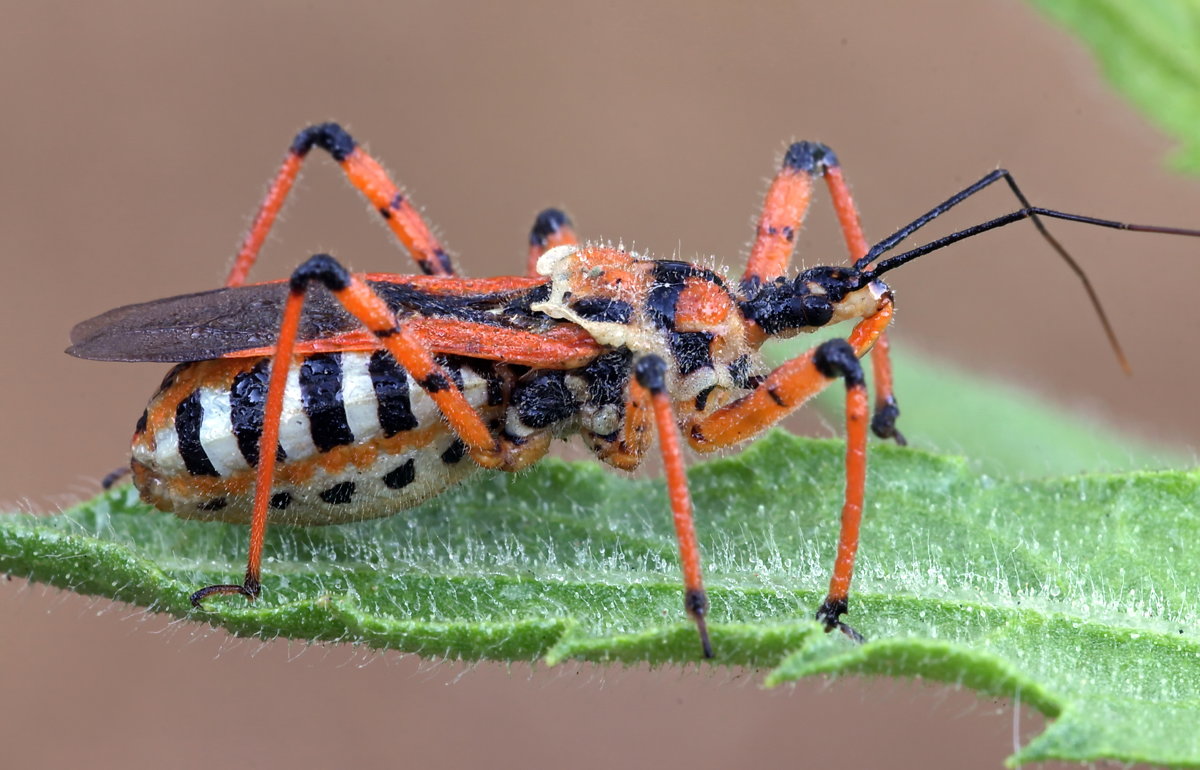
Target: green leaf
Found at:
1150, 50
1006, 431
1078, 596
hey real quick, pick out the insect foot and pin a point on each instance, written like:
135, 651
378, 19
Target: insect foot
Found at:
829, 615
251, 588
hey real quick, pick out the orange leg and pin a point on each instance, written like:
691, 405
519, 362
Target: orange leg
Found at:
405, 346
883, 424
785, 389
633, 440
886, 410
781, 393
365, 173
837, 358
784, 210
783, 213
650, 377
551, 228
787, 204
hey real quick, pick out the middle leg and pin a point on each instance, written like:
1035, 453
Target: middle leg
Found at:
783, 214
649, 384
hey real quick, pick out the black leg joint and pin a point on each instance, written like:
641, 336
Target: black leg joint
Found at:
323, 269
435, 382
836, 358
810, 157
547, 224
651, 373
443, 260
251, 587
329, 137
883, 423
696, 603
831, 611
829, 615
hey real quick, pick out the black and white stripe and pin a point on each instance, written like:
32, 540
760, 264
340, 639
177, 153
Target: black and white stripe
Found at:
330, 400
247, 398
320, 383
189, 417
390, 384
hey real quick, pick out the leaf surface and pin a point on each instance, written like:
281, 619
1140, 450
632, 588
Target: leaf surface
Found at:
1078, 595
1149, 50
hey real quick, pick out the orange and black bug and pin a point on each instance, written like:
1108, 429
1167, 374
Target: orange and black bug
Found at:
335, 396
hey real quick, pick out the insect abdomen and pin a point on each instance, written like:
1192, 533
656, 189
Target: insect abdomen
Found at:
358, 439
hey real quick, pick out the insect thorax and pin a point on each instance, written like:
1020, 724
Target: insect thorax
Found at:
681, 312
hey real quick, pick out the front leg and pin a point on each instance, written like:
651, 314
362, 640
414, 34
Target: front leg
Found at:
782, 392
883, 423
834, 359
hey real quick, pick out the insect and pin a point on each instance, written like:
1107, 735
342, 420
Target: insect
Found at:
334, 396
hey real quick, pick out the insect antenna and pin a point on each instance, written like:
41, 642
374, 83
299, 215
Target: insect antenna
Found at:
1027, 211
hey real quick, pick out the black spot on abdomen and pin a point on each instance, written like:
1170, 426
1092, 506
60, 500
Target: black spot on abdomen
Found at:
455, 452
338, 494
401, 476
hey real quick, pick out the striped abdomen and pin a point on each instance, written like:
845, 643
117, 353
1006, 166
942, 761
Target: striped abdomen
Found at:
358, 438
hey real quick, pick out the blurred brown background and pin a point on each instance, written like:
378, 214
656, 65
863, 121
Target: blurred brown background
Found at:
138, 136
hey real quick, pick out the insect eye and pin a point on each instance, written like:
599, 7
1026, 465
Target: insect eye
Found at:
810, 310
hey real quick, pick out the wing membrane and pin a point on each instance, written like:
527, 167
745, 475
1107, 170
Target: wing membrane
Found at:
212, 324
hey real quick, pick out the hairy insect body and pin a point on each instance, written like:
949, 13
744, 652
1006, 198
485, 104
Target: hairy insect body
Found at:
358, 438
337, 396
680, 312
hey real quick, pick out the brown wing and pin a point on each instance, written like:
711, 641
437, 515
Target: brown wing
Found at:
212, 324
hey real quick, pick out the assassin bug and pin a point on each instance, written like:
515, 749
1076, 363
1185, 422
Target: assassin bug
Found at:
336, 396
